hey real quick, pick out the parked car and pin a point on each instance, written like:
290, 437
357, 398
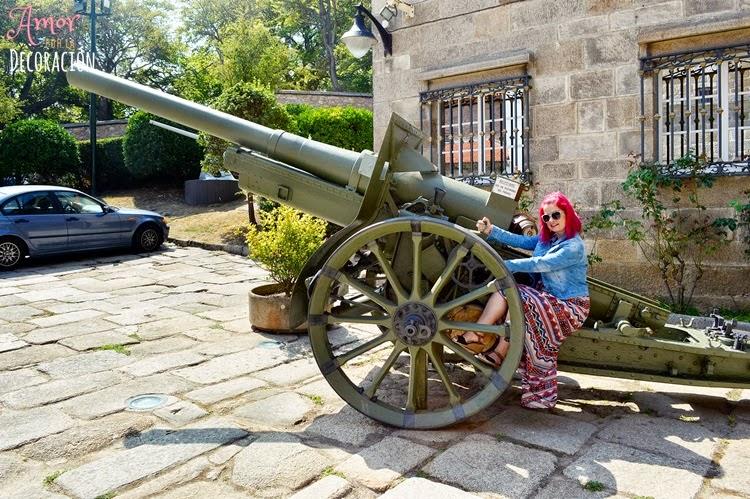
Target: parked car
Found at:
43, 220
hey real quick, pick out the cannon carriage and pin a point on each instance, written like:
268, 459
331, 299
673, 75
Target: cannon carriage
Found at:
408, 257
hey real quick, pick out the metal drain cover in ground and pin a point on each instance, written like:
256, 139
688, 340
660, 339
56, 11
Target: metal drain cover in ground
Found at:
145, 402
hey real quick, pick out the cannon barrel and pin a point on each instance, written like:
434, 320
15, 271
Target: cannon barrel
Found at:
325, 161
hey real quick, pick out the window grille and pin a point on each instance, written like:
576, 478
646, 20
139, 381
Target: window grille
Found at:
478, 132
701, 102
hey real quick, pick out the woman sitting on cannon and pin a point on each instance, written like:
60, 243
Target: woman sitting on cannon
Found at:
553, 308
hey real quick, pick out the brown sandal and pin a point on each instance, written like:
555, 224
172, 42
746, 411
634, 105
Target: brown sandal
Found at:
493, 357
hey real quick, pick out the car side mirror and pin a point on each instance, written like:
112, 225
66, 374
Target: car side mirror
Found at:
108, 209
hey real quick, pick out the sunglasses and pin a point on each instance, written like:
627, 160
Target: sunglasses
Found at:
554, 216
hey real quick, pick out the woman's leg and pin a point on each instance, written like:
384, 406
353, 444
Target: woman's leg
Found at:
494, 312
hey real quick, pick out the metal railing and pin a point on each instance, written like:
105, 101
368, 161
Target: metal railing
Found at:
477, 132
699, 107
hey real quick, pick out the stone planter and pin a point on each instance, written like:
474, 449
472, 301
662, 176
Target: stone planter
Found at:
269, 310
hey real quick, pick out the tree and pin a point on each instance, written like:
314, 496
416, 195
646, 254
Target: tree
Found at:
204, 21
250, 102
313, 28
199, 79
253, 54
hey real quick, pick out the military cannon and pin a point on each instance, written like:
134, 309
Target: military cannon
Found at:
408, 256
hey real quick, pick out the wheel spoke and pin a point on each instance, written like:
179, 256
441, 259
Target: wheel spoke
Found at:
362, 349
439, 366
380, 320
417, 396
465, 354
498, 330
401, 295
369, 292
416, 286
444, 308
458, 254
370, 390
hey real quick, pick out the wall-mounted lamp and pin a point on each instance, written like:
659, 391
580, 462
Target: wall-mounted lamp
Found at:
359, 38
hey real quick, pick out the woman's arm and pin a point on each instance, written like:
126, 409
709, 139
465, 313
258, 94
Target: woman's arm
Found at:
565, 255
515, 240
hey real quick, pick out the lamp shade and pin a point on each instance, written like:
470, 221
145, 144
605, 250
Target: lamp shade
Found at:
359, 39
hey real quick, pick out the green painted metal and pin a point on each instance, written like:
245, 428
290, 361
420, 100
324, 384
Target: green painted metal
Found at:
379, 199
419, 407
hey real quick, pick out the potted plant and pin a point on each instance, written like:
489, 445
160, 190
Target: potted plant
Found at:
282, 244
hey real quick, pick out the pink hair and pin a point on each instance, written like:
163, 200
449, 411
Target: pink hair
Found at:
572, 220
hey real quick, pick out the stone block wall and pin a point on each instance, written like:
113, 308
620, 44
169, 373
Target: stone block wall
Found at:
325, 99
104, 129
583, 59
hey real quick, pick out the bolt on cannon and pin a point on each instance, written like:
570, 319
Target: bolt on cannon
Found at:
407, 257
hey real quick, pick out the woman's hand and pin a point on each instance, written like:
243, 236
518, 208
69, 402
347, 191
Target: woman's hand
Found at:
484, 226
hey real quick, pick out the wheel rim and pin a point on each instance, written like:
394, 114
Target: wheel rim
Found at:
10, 254
411, 319
149, 239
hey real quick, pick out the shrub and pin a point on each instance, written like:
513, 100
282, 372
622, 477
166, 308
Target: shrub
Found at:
111, 172
345, 127
38, 151
249, 102
285, 242
157, 155
674, 231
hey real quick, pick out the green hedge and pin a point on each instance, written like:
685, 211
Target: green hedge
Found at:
345, 127
158, 156
111, 172
39, 151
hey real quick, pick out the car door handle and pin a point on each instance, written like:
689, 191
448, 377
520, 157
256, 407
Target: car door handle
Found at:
71, 219
21, 221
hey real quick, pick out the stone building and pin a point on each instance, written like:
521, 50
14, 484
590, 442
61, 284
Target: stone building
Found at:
560, 92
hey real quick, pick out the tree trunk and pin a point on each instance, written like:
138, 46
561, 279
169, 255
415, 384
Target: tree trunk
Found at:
328, 33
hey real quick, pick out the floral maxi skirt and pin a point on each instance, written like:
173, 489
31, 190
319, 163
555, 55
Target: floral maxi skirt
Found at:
549, 320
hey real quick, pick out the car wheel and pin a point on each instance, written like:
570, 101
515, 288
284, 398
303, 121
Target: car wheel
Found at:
12, 253
147, 238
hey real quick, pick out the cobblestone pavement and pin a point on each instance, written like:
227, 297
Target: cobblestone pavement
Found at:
249, 415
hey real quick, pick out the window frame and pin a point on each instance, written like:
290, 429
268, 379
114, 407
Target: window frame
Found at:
725, 104
53, 202
432, 112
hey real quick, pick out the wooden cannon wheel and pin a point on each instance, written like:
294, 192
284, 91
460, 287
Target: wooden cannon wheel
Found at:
414, 385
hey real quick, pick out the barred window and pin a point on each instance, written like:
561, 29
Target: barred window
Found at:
477, 132
701, 101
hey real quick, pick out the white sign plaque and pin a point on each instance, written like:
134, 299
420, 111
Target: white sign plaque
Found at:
506, 187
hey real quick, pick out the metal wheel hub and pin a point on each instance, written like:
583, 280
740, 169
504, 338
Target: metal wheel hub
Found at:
9, 254
415, 324
149, 238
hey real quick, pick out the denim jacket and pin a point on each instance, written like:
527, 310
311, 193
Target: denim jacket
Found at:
562, 262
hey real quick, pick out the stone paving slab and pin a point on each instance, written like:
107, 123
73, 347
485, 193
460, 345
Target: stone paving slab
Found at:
231, 366
85, 363
416, 487
59, 389
677, 439
180, 413
88, 437
10, 342
67, 318
282, 410
119, 336
559, 487
179, 322
221, 391
329, 487
20, 313
167, 481
291, 373
275, 464
541, 429
636, 472
163, 362
32, 355
130, 465
348, 427
21, 427
163, 345
56, 333
11, 381
482, 465
735, 462
112, 399
380, 465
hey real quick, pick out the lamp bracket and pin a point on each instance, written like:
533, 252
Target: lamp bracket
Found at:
402, 6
